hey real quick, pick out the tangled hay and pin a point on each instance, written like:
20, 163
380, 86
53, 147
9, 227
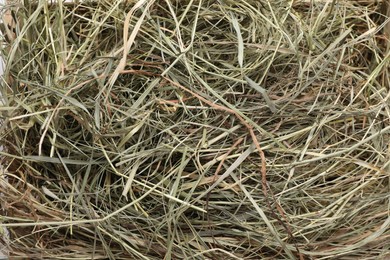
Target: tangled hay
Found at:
196, 130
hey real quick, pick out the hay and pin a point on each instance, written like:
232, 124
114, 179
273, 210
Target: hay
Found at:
196, 130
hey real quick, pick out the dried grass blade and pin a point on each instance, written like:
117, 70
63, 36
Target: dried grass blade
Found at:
263, 92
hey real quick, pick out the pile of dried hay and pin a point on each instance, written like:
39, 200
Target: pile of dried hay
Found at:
196, 130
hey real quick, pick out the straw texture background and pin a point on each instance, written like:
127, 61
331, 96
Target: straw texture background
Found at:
196, 130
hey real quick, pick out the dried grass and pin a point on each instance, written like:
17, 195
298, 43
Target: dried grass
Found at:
196, 130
